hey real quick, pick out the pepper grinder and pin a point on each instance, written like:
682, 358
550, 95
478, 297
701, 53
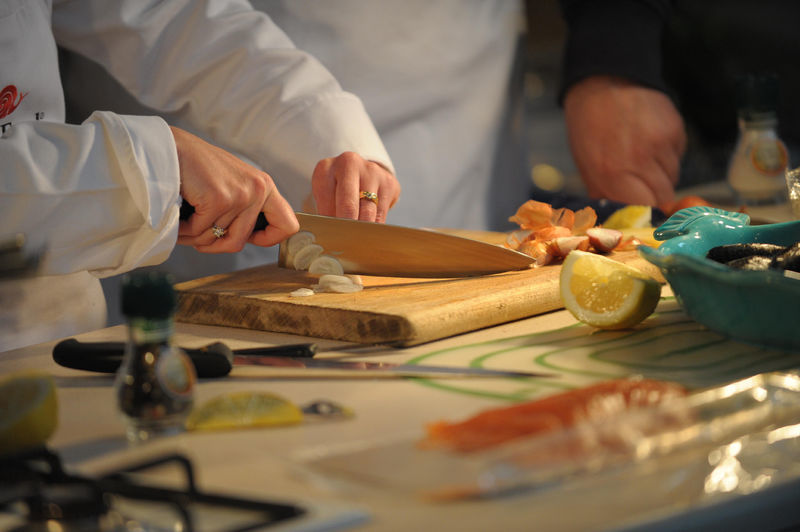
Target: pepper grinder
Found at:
155, 382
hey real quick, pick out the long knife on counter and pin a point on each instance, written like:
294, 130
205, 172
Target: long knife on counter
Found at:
217, 360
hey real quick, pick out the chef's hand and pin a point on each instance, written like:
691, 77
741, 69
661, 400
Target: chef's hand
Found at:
627, 140
227, 193
339, 185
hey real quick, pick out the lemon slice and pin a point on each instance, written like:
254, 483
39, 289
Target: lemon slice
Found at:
645, 235
630, 217
605, 293
244, 410
28, 411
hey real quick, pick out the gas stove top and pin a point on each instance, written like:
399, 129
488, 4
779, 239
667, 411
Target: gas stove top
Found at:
37, 493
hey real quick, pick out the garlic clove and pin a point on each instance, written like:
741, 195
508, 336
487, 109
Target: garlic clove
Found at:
562, 245
604, 239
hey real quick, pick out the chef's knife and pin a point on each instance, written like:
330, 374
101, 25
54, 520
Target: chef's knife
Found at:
389, 250
217, 360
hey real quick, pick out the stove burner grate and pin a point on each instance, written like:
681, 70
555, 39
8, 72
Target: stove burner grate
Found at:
35, 486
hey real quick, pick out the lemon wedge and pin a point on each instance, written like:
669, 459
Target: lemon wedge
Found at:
630, 217
28, 411
645, 235
244, 410
604, 293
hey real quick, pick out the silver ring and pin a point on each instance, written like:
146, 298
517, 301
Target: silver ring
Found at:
218, 231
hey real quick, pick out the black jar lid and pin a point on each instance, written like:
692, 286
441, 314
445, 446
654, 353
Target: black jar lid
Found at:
148, 294
757, 95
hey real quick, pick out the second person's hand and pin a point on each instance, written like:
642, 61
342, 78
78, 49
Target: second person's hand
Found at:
349, 186
627, 140
227, 195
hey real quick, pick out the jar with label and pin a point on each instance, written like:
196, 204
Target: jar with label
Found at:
155, 382
759, 162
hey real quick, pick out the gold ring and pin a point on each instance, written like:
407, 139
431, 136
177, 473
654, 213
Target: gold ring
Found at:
371, 196
218, 231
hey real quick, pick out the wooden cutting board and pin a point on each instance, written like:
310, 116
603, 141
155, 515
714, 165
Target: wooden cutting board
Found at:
390, 310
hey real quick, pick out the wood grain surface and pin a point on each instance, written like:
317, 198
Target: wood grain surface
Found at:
390, 310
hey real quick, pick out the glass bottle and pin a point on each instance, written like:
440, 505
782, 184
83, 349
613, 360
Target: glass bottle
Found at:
758, 166
155, 382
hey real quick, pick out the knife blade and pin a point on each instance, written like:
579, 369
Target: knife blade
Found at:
381, 369
217, 360
395, 251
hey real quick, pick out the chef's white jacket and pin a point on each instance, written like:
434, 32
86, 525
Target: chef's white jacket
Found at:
102, 197
434, 77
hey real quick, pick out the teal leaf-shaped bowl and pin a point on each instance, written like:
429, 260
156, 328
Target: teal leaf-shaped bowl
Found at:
761, 307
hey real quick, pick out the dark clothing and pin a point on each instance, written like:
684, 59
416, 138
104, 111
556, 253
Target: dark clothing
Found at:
694, 50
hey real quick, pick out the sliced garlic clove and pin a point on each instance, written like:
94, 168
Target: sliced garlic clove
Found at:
325, 264
337, 283
295, 243
355, 278
346, 289
302, 292
306, 255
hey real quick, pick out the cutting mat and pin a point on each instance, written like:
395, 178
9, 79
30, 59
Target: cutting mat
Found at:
390, 310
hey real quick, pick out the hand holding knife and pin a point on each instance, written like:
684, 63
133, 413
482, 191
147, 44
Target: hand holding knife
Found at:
217, 360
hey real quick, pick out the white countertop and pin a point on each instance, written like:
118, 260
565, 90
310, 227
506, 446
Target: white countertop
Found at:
266, 463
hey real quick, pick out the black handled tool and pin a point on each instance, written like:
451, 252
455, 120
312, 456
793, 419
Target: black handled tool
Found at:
187, 210
210, 361
216, 360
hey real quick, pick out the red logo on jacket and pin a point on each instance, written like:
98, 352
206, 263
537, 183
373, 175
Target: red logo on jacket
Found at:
9, 100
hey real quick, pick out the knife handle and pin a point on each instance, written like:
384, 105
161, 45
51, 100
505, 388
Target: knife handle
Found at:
212, 361
187, 210
292, 350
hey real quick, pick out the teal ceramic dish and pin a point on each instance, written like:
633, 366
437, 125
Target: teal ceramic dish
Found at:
761, 307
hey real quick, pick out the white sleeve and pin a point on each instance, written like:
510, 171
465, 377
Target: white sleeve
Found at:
226, 70
102, 196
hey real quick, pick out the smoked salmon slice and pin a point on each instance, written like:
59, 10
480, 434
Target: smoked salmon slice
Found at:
500, 425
